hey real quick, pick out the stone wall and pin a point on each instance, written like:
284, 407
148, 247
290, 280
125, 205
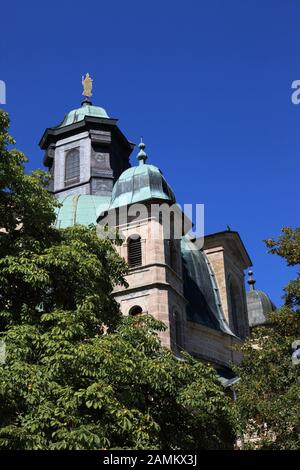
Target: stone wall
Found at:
212, 345
154, 286
229, 276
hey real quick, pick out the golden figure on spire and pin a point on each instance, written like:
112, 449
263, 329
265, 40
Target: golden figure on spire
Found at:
87, 84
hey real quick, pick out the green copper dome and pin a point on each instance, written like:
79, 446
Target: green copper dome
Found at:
141, 183
80, 209
79, 114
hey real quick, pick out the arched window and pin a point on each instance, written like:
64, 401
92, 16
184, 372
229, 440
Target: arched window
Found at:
136, 310
173, 254
134, 251
178, 330
72, 167
234, 310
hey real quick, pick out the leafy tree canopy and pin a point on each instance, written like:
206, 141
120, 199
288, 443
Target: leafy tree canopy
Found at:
269, 389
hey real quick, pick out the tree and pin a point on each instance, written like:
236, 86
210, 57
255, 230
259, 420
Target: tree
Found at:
26, 208
78, 375
269, 389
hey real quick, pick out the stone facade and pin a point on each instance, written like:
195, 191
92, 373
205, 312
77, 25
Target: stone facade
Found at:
212, 346
229, 259
154, 286
158, 289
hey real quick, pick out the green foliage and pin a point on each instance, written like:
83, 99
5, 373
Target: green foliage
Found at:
118, 390
26, 209
77, 375
287, 245
269, 389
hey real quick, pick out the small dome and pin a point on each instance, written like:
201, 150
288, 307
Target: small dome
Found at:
79, 114
80, 209
141, 183
259, 305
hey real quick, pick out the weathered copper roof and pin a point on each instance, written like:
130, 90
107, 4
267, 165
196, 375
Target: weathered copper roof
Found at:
79, 114
80, 209
200, 288
259, 305
140, 183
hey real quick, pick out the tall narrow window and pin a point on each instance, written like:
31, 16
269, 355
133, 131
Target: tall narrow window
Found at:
134, 251
72, 167
51, 181
234, 311
178, 331
173, 254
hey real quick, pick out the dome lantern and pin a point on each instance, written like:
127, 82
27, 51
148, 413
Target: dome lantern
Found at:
142, 156
251, 280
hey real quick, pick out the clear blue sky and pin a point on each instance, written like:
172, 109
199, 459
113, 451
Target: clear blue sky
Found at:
207, 83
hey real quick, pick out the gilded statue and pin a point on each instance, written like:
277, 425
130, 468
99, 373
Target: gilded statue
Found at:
87, 84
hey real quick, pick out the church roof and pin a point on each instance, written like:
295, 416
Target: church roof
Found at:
80, 209
141, 183
200, 288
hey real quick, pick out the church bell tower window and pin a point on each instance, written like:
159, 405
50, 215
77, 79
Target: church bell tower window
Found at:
134, 251
72, 167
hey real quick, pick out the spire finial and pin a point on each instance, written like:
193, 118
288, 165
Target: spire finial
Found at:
142, 156
251, 281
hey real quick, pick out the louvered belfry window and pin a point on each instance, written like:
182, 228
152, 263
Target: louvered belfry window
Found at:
134, 251
72, 168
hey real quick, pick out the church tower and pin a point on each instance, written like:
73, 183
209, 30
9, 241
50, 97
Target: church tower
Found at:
85, 154
151, 248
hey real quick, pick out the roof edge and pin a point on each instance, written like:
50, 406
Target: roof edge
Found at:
226, 235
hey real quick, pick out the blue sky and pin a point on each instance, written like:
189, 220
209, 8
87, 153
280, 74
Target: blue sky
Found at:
207, 83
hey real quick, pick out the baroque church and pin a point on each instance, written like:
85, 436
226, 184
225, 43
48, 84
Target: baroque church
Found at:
199, 294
